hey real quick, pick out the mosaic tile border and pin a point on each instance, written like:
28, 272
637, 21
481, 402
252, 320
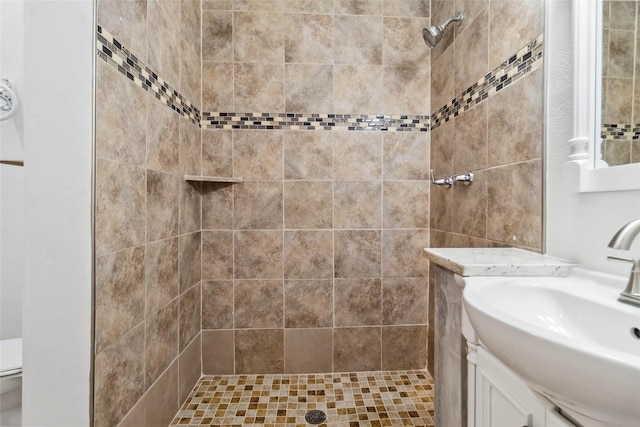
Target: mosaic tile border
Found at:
611, 132
115, 54
523, 62
380, 398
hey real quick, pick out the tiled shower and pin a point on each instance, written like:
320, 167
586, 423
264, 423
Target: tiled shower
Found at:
332, 113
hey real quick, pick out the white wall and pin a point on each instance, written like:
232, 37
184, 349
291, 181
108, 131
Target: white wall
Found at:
11, 177
58, 117
578, 225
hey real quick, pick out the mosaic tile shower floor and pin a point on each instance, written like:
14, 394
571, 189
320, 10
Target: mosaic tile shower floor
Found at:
391, 398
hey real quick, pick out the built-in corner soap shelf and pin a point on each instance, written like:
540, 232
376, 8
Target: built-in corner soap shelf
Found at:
203, 178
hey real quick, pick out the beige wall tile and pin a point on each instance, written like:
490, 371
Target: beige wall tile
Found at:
402, 253
190, 260
308, 350
470, 202
258, 37
352, 92
308, 155
217, 255
308, 303
259, 351
406, 90
406, 155
471, 145
161, 401
357, 204
217, 206
258, 254
522, 104
403, 45
308, 204
357, 156
126, 20
162, 205
218, 352
515, 204
358, 302
217, 4
471, 53
404, 347
120, 206
217, 87
189, 368
308, 38
119, 294
258, 205
119, 378
405, 204
308, 254
191, 20
308, 87
441, 10
619, 100
217, 304
190, 148
189, 315
358, 7
258, 304
309, 6
622, 15
620, 62
258, 87
190, 209
161, 273
217, 152
259, 5
161, 342
442, 91
405, 301
406, 8
191, 72
217, 36
356, 349
258, 155
164, 42
357, 253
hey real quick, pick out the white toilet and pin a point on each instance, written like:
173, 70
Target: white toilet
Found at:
11, 382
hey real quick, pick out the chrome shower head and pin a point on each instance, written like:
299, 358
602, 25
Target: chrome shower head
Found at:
433, 34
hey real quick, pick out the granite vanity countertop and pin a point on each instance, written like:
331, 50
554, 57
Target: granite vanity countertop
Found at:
498, 262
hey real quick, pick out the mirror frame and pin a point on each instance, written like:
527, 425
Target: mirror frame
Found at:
582, 172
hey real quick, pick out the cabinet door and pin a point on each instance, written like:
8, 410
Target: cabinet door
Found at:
502, 399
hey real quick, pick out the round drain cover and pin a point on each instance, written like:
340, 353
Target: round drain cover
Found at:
315, 417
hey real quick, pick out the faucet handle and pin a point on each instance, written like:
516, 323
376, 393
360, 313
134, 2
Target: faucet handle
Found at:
619, 258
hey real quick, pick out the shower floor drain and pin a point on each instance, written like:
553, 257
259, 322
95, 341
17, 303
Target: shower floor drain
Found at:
315, 417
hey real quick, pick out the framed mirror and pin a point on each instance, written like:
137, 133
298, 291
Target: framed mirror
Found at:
595, 165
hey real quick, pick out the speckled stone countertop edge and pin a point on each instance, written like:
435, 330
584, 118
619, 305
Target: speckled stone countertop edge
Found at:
498, 262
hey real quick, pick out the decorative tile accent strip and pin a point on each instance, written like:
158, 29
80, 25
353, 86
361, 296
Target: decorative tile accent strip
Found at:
387, 398
114, 53
295, 121
526, 60
620, 131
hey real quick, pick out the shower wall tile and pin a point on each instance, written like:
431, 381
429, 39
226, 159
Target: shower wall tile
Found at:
352, 91
405, 204
120, 206
190, 148
308, 155
119, 378
161, 341
308, 87
162, 137
358, 7
441, 10
403, 45
357, 349
259, 351
308, 303
164, 41
120, 117
307, 350
190, 210
357, 204
162, 205
218, 352
119, 294
358, 302
403, 90
471, 9
217, 304
357, 157
258, 254
189, 368
258, 304
405, 301
162, 280
217, 255
258, 155
522, 21
258, 87
308, 204
217, 152
357, 253
308, 254
258, 205
309, 6
417, 8
217, 87
404, 346
471, 204
471, 49
189, 316
522, 104
127, 21
258, 37
217, 36
160, 401
405, 156
442, 91
471, 131
259, 5
189, 258
402, 253
217, 4
217, 206
308, 39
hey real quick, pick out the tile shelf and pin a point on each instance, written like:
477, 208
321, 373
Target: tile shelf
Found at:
201, 178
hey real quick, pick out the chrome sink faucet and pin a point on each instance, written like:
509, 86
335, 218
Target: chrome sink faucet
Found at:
623, 240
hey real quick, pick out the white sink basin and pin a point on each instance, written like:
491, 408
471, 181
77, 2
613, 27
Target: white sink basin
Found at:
567, 337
